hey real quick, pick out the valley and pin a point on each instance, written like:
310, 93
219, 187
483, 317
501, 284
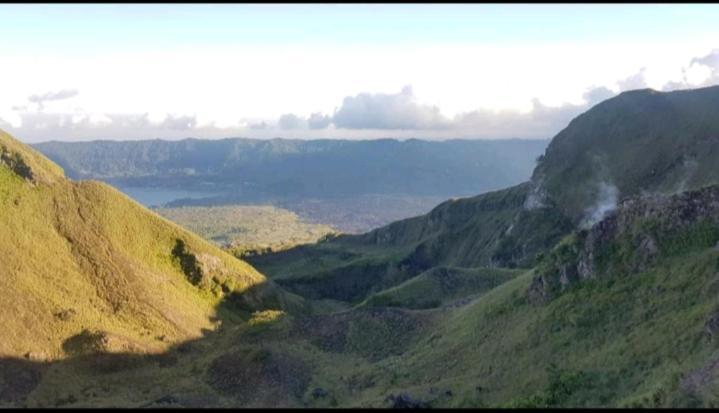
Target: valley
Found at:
591, 282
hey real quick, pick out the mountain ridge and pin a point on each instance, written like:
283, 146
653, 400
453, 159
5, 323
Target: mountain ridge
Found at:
318, 168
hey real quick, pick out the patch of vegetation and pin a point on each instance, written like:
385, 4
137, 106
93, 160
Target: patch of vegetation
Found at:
247, 230
441, 285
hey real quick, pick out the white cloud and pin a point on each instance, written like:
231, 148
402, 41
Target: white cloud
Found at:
291, 121
635, 81
182, 122
319, 121
701, 71
387, 111
458, 90
50, 96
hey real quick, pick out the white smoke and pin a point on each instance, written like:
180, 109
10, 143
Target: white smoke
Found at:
536, 197
608, 195
690, 167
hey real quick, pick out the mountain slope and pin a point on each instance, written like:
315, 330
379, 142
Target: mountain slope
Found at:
639, 141
637, 329
629, 337
80, 257
635, 143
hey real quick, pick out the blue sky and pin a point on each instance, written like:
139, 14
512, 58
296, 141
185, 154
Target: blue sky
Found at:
131, 26
464, 70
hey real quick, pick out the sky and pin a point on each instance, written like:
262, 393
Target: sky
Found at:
352, 71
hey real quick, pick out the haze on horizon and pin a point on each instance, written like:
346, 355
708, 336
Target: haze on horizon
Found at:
82, 72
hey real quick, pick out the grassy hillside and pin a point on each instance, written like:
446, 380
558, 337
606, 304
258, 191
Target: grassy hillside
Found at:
442, 286
639, 141
626, 337
495, 229
80, 257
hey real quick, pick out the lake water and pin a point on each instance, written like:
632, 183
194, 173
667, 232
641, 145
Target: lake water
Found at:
154, 197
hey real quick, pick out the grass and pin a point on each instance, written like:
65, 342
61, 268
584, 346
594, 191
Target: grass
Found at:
490, 230
619, 340
441, 285
85, 249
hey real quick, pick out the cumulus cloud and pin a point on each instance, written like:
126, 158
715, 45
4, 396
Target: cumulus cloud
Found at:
635, 81
706, 67
258, 125
541, 121
290, 121
364, 115
711, 60
183, 122
596, 94
319, 121
50, 96
387, 111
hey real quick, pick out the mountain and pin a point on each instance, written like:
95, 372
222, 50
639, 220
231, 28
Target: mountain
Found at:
81, 262
507, 299
636, 143
622, 335
251, 169
616, 305
640, 141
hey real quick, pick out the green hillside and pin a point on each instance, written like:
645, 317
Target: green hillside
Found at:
81, 256
508, 299
624, 336
636, 143
639, 141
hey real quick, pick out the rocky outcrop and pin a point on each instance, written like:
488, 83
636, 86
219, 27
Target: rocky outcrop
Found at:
405, 401
17, 164
203, 270
630, 239
711, 326
99, 342
27, 164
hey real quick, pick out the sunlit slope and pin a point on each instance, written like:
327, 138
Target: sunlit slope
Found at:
81, 255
